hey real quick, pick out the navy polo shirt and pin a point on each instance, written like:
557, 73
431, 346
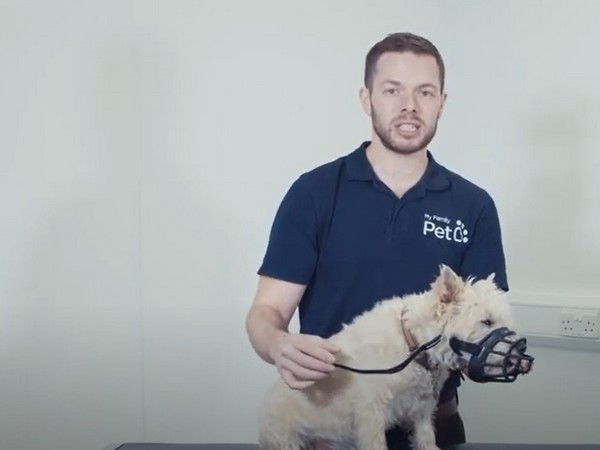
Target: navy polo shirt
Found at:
345, 235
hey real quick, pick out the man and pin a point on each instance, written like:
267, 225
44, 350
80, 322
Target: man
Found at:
375, 223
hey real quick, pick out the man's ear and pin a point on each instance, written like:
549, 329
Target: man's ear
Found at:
443, 103
448, 285
365, 100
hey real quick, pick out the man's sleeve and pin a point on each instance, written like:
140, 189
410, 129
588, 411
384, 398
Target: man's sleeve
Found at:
485, 254
292, 251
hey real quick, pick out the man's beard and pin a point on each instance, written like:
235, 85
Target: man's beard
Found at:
385, 135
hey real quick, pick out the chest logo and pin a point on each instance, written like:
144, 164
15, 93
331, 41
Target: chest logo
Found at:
443, 228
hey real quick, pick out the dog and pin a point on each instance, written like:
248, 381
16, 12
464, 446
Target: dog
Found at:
353, 410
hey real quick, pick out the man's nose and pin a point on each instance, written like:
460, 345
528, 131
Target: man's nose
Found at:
410, 103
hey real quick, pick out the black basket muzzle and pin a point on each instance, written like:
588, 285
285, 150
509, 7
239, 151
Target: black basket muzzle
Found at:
498, 357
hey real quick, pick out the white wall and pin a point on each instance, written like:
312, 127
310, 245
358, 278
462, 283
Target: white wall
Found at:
144, 148
70, 323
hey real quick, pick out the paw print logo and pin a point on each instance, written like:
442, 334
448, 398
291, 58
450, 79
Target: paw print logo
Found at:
460, 232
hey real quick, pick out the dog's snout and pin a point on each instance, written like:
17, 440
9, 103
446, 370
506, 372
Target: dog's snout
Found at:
525, 365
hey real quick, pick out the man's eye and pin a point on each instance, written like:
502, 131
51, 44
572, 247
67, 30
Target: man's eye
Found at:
427, 93
391, 91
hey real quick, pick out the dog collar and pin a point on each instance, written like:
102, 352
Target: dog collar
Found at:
422, 357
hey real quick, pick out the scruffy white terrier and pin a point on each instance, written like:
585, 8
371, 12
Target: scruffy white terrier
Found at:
354, 409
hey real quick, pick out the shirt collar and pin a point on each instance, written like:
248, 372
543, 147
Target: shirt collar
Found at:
358, 168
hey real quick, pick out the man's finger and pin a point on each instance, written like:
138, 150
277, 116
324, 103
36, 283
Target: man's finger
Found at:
292, 382
323, 363
317, 352
324, 343
302, 373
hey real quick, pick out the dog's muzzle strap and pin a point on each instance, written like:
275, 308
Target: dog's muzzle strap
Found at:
426, 346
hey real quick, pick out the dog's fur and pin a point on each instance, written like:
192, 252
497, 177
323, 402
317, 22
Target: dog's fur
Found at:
356, 409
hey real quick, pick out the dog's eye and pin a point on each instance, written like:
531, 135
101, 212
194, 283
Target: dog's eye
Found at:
487, 322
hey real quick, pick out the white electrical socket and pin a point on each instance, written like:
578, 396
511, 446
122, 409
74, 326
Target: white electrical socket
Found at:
583, 323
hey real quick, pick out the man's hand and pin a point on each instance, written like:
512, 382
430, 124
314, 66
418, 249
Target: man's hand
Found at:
302, 359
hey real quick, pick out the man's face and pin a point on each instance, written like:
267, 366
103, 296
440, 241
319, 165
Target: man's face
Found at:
404, 101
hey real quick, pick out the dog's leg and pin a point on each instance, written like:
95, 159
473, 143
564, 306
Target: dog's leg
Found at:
277, 441
280, 436
320, 444
423, 432
370, 428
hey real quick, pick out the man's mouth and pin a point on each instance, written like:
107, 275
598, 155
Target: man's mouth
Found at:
408, 128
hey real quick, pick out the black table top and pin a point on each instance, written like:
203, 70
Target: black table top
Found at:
475, 446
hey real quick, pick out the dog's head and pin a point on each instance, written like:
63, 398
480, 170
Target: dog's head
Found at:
477, 329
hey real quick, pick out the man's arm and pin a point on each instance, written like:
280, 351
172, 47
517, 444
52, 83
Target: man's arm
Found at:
300, 359
485, 254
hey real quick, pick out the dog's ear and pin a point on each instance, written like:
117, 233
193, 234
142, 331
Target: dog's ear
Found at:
448, 286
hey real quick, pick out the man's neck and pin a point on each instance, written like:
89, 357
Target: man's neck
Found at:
398, 171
